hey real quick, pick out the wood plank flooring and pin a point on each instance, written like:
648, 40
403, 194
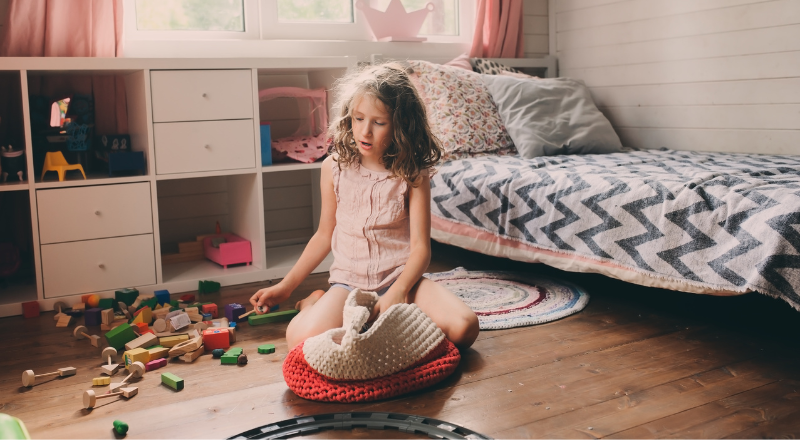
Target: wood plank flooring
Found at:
636, 363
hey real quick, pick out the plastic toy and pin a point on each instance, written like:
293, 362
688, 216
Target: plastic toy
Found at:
90, 398
235, 250
120, 427
172, 381
93, 300
80, 333
55, 161
30, 309
395, 24
266, 318
309, 142
111, 368
29, 378
12, 164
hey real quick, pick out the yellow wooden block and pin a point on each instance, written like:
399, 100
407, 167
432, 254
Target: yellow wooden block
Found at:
171, 341
101, 381
136, 355
158, 353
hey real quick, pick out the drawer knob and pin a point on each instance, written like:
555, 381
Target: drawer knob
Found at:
97, 213
205, 95
101, 266
208, 147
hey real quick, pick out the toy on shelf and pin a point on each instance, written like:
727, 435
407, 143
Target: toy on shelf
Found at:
395, 24
90, 398
12, 164
55, 161
29, 378
115, 149
309, 142
80, 333
235, 250
112, 367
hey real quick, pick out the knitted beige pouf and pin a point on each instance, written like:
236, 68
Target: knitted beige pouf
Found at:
402, 351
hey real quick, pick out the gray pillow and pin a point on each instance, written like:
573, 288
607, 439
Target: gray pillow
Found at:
551, 116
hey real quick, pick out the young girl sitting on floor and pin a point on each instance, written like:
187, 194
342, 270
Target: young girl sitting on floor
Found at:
376, 213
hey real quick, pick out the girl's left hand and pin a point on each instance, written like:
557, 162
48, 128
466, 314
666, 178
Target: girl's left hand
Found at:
387, 300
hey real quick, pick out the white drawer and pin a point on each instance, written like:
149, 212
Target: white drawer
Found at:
185, 147
97, 265
201, 95
85, 213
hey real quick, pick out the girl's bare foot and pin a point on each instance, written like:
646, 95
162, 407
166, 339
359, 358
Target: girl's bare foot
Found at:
310, 300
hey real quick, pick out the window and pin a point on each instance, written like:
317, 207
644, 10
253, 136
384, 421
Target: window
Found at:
450, 20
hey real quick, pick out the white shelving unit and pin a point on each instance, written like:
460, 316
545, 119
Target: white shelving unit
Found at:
197, 123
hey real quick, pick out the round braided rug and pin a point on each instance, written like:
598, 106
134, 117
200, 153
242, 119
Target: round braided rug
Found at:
511, 299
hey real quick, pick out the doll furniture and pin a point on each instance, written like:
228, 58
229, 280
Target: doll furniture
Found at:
235, 250
55, 161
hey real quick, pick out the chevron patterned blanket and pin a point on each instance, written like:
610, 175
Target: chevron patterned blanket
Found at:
716, 223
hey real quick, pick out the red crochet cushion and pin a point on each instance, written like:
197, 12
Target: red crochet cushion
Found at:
309, 384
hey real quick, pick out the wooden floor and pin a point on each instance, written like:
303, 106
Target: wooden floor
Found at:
636, 363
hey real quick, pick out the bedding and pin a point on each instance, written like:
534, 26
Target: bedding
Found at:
716, 223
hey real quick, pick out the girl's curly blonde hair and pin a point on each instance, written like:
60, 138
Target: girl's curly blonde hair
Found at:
414, 148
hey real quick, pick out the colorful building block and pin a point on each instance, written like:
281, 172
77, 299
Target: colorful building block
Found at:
266, 349
145, 315
127, 296
120, 335
101, 381
135, 355
144, 341
162, 296
231, 357
106, 303
93, 316
214, 338
171, 341
30, 309
212, 309
172, 381
155, 364
204, 286
266, 318
188, 298
158, 352
233, 311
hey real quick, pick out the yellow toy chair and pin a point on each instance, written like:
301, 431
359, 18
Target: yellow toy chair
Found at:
55, 161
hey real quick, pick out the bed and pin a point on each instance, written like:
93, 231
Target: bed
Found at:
712, 223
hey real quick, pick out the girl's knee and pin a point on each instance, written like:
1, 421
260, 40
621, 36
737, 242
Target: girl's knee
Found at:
464, 331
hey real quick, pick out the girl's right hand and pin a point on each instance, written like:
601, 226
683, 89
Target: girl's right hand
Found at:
268, 297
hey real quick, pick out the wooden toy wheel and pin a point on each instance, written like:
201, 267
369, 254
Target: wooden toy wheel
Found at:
89, 399
28, 378
108, 352
137, 369
79, 331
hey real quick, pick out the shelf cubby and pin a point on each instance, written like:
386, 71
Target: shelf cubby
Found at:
17, 267
12, 133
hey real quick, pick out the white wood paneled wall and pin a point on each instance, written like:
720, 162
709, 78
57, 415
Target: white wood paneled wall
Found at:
535, 28
703, 75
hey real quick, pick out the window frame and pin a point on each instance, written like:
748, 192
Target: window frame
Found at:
251, 26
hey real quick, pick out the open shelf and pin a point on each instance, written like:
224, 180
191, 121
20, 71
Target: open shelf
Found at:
284, 257
17, 271
14, 186
202, 269
12, 133
104, 106
274, 168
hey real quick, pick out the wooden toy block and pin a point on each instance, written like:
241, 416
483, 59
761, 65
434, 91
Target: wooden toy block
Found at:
92, 316
144, 315
64, 321
137, 369
160, 325
125, 296
90, 398
266, 318
266, 349
120, 335
135, 355
107, 316
155, 364
172, 381
162, 312
187, 298
186, 347
85, 298
208, 286
146, 340
192, 355
29, 378
231, 356
80, 332
210, 308
101, 381
232, 335
30, 309
113, 325
214, 338
140, 327
158, 352
234, 311
59, 307
79, 306
106, 303
111, 367
162, 296
171, 341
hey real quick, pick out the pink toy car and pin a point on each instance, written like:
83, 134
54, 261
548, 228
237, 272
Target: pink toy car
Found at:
235, 250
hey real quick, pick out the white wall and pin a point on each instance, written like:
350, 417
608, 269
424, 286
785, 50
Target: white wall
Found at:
705, 75
535, 28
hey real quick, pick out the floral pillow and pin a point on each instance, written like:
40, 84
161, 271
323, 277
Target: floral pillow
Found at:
461, 111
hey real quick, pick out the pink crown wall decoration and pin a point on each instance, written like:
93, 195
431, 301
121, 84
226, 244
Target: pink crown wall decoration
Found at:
395, 24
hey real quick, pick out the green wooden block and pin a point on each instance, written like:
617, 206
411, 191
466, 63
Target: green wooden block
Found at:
207, 286
231, 356
174, 304
266, 318
120, 335
106, 303
172, 381
266, 349
152, 303
128, 296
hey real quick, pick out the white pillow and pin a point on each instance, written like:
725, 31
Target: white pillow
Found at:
551, 116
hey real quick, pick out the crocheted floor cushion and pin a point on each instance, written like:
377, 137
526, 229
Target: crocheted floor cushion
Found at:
503, 299
402, 351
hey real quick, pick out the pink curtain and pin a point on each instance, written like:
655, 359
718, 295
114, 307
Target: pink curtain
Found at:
498, 30
72, 28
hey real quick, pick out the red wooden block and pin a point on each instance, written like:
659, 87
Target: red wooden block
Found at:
158, 363
30, 309
216, 338
187, 298
210, 308
142, 328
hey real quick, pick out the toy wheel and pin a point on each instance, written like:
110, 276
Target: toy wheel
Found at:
28, 378
108, 352
89, 399
78, 332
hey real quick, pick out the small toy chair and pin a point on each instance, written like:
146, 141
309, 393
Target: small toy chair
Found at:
55, 161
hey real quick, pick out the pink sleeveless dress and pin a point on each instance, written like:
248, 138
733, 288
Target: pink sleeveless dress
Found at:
371, 241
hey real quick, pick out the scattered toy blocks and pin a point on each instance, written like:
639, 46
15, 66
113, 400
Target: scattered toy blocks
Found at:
233, 311
212, 309
214, 338
92, 316
188, 298
107, 316
143, 341
106, 303
171, 341
266, 349
231, 357
145, 315
158, 352
162, 296
135, 355
127, 296
155, 364
266, 318
120, 335
207, 286
30, 309
172, 381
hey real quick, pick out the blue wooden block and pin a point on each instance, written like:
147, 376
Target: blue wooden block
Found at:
162, 296
92, 317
